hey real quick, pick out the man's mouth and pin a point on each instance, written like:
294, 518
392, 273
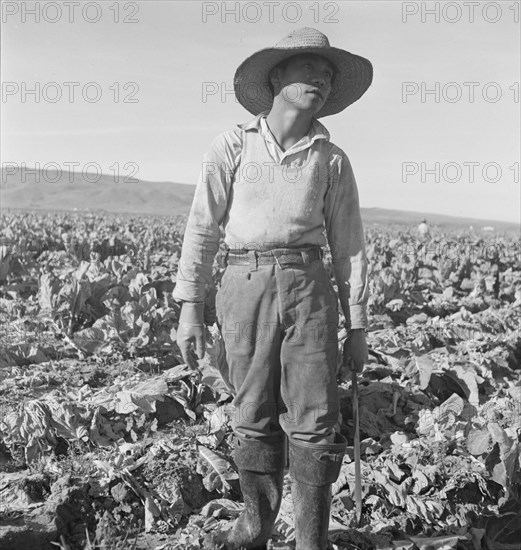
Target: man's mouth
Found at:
317, 93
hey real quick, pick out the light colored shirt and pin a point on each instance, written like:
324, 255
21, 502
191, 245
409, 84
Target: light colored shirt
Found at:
423, 230
263, 197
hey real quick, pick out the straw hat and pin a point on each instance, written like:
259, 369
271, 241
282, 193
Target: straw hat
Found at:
353, 74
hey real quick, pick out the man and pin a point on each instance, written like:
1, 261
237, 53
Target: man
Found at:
424, 233
279, 188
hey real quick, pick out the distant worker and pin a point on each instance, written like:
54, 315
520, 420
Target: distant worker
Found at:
423, 231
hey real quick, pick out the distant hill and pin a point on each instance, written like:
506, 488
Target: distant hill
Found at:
56, 191
404, 217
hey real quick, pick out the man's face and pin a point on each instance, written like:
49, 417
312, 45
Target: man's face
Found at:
305, 81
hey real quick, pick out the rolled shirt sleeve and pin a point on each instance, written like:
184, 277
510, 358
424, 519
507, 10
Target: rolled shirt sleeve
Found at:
202, 232
346, 240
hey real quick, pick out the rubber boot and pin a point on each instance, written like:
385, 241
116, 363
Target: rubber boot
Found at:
261, 475
313, 468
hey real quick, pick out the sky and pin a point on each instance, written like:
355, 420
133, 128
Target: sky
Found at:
142, 88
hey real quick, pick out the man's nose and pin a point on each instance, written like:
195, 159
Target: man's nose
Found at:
319, 81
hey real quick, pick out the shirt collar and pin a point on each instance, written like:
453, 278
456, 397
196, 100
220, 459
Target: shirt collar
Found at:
318, 130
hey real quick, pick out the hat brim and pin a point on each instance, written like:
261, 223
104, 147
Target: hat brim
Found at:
353, 76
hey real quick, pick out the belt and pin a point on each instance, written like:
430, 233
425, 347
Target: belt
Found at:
279, 256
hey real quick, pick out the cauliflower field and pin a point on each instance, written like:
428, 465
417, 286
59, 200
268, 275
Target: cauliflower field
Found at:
108, 441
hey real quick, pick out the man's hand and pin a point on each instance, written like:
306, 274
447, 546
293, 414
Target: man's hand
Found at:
191, 333
355, 350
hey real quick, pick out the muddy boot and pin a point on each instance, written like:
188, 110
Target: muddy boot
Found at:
313, 468
261, 475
